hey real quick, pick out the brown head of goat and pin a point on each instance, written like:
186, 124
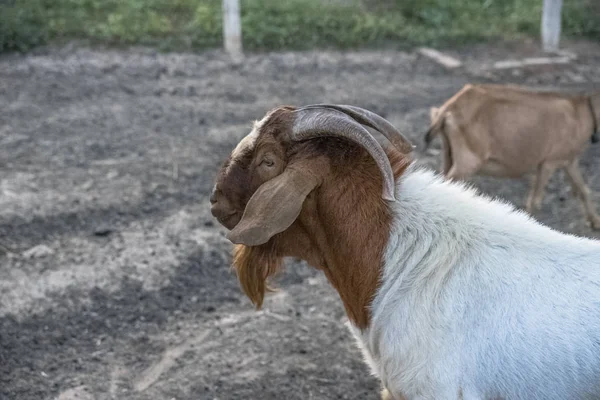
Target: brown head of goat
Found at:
307, 183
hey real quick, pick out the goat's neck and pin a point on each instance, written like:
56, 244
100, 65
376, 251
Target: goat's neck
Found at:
349, 236
350, 255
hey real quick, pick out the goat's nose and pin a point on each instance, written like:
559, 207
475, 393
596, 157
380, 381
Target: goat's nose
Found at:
213, 196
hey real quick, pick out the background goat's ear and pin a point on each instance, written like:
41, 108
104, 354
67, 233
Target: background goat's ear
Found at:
274, 207
433, 112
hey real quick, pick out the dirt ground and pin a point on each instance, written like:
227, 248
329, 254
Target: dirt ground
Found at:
114, 278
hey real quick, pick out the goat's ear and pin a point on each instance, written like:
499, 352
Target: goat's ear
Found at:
433, 112
274, 206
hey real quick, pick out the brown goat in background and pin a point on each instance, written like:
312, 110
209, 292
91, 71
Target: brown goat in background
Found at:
509, 131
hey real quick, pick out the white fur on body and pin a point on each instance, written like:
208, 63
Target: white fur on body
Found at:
479, 301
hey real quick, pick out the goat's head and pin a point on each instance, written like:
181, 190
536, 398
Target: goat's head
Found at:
261, 187
269, 177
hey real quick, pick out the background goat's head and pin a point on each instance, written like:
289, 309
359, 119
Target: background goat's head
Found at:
274, 174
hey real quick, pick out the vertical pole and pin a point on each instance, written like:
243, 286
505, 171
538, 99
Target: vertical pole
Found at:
232, 28
551, 25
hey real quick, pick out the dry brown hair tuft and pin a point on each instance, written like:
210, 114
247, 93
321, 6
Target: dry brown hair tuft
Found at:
253, 266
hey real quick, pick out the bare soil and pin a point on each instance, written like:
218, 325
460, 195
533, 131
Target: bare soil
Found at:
115, 279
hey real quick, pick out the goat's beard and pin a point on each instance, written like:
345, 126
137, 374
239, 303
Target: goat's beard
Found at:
253, 266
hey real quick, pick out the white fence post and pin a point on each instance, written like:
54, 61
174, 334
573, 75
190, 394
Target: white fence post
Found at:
551, 25
232, 27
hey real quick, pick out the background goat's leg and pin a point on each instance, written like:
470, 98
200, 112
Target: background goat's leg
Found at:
463, 167
447, 155
536, 193
583, 192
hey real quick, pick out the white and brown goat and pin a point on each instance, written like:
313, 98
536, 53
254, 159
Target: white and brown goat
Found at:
509, 131
449, 294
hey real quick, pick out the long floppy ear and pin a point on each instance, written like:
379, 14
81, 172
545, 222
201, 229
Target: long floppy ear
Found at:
274, 206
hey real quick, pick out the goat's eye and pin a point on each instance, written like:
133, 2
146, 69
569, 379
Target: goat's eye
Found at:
268, 163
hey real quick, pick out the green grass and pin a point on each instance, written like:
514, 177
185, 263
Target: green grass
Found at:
283, 24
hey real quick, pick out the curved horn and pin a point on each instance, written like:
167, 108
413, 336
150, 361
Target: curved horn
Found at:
311, 122
374, 121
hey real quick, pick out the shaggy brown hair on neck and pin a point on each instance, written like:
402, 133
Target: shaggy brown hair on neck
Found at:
342, 230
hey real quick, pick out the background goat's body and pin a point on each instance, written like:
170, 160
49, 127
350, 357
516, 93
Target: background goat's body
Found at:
508, 131
480, 301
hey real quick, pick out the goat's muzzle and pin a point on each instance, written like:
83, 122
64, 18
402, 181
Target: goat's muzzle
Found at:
222, 211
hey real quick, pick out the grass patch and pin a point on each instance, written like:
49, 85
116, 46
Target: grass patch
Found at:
283, 24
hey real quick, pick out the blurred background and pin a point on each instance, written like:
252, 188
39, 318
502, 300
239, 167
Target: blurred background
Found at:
268, 25
114, 118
